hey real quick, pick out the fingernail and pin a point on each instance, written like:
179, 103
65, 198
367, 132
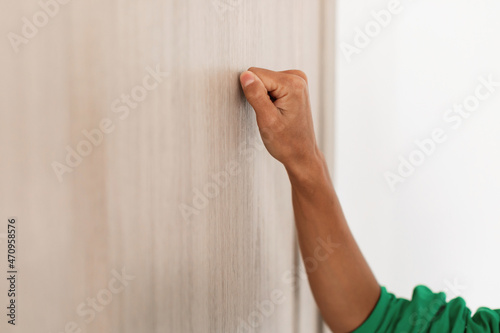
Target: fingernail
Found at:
247, 78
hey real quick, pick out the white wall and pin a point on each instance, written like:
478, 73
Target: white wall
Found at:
441, 226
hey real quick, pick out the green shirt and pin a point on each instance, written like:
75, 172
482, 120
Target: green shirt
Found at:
427, 312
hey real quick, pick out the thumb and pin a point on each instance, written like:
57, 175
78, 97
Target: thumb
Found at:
256, 94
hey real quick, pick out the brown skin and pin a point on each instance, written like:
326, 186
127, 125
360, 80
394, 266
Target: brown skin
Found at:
343, 285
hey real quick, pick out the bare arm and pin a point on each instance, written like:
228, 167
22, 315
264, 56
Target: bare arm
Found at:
343, 285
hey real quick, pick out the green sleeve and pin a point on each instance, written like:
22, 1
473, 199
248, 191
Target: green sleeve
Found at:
427, 312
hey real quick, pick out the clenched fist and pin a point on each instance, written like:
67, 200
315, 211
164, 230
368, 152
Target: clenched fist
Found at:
282, 106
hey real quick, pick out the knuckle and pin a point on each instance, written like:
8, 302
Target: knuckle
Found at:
297, 84
298, 72
275, 124
302, 75
252, 94
266, 134
271, 122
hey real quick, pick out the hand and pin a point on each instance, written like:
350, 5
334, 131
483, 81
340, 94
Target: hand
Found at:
281, 103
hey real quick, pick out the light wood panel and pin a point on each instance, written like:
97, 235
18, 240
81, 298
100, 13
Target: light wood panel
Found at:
122, 207
328, 81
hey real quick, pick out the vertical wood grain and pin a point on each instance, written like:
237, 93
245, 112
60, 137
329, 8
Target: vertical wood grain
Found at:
120, 208
327, 110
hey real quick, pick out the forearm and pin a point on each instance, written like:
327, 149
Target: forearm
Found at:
342, 283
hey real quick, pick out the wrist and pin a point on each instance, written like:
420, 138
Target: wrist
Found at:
308, 172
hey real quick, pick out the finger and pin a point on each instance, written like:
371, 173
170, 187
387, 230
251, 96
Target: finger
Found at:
298, 73
257, 96
276, 83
